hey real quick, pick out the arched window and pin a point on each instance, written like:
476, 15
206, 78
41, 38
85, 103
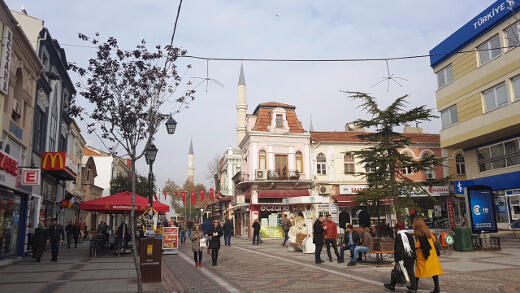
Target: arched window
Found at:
461, 165
348, 160
299, 162
407, 170
261, 160
321, 164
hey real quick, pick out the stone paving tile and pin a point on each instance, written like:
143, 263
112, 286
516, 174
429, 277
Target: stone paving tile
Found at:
17, 288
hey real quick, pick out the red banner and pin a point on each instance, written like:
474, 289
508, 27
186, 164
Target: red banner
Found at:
212, 194
202, 196
155, 197
183, 194
193, 197
451, 213
164, 195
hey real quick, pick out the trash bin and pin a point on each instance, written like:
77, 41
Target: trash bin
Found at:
150, 251
463, 239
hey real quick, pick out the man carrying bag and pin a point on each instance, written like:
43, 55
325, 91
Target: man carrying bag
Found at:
404, 256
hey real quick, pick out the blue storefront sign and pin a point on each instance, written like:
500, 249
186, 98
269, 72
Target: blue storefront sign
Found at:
482, 211
494, 15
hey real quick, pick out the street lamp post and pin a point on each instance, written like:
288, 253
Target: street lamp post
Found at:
149, 155
201, 215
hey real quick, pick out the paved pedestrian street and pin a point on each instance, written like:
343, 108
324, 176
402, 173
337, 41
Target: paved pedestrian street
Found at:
244, 267
269, 267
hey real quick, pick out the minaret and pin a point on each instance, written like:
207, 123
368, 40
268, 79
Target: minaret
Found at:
191, 166
241, 106
311, 128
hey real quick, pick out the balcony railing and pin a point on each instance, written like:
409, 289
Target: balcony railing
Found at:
239, 177
283, 175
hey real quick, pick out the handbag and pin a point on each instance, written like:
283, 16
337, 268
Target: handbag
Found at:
202, 243
397, 275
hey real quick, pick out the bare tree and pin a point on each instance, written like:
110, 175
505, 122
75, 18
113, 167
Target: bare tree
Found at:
213, 170
129, 90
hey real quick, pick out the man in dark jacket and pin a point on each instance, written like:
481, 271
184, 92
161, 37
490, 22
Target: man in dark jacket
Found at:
350, 241
318, 238
256, 232
70, 233
56, 237
228, 231
404, 250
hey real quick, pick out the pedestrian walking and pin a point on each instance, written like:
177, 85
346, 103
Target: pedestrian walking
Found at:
190, 227
70, 233
330, 235
38, 241
318, 238
206, 227
195, 238
350, 241
76, 230
404, 250
85, 231
182, 229
366, 246
256, 232
427, 264
286, 226
214, 243
56, 237
228, 232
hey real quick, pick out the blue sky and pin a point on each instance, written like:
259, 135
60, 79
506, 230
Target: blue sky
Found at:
304, 29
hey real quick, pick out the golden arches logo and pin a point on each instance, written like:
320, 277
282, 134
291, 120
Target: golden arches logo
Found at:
53, 157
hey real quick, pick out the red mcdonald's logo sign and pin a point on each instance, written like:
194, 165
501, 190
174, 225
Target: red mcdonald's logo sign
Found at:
53, 161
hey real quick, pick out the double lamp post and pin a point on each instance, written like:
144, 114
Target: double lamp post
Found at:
151, 153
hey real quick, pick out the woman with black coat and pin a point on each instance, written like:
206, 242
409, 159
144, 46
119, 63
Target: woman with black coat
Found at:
214, 243
404, 249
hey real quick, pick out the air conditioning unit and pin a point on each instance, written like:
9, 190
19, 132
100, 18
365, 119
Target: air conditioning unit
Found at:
323, 190
261, 174
430, 175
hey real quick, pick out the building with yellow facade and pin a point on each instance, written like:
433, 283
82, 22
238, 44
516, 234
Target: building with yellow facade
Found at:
478, 96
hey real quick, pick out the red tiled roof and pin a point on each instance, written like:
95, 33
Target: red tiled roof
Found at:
88, 152
263, 113
351, 136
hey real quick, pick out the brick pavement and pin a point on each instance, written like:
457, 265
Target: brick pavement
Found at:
271, 268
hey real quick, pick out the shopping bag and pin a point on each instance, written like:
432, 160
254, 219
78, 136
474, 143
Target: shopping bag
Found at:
202, 242
397, 275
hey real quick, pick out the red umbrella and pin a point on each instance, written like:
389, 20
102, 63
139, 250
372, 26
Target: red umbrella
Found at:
119, 203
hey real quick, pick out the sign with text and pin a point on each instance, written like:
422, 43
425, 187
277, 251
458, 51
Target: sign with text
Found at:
31, 176
59, 161
5, 64
170, 238
482, 210
451, 213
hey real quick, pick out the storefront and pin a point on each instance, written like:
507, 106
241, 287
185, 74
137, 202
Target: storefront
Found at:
13, 209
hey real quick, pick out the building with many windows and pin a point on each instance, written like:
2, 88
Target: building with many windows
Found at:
478, 96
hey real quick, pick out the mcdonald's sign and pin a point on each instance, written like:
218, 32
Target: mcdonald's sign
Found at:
59, 163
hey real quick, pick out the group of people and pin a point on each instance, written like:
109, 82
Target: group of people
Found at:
210, 231
417, 252
55, 234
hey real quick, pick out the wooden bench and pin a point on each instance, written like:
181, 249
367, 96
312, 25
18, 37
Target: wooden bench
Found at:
380, 255
297, 243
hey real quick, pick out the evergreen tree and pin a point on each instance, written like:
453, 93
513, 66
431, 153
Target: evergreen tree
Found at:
382, 158
123, 184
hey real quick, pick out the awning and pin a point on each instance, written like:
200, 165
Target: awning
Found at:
345, 200
282, 193
119, 203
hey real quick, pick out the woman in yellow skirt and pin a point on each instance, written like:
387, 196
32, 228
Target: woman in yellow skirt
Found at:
427, 264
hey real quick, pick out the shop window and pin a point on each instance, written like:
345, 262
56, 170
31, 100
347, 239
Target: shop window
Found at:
461, 165
261, 160
444, 76
495, 97
321, 164
449, 117
489, 50
349, 163
299, 162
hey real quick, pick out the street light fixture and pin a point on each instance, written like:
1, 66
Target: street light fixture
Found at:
171, 124
149, 155
201, 215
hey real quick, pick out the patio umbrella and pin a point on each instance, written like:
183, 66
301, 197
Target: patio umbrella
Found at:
120, 203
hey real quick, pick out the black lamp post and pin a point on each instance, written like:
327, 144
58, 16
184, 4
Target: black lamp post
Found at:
149, 155
171, 124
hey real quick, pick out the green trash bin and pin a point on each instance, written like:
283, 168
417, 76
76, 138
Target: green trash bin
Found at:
463, 239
